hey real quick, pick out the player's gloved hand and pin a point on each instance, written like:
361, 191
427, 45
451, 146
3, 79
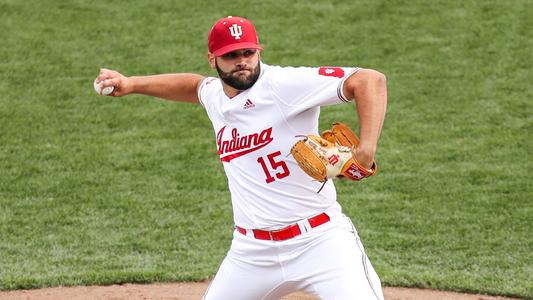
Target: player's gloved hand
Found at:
331, 155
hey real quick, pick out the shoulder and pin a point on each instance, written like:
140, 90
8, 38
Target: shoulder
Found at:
309, 77
280, 76
299, 73
209, 82
208, 88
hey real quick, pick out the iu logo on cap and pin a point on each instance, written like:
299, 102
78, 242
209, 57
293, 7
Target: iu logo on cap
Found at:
236, 31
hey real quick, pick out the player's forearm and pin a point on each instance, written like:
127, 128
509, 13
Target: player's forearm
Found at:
371, 98
176, 87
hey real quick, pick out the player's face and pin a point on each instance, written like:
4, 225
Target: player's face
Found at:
239, 69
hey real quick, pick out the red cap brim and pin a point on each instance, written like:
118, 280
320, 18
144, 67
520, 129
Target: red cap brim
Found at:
238, 46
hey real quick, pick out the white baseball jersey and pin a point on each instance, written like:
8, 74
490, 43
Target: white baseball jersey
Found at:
255, 132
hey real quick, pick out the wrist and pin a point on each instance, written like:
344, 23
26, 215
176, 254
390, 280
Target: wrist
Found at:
366, 149
365, 155
131, 83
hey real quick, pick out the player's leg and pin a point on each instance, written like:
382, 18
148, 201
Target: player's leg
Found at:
340, 268
247, 272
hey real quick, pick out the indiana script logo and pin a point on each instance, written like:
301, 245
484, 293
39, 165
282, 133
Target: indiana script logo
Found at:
239, 145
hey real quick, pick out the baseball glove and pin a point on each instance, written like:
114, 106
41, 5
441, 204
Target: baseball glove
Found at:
331, 155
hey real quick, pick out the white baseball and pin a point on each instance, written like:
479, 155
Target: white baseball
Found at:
105, 91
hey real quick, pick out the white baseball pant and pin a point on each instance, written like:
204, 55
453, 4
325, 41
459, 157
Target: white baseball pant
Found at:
328, 261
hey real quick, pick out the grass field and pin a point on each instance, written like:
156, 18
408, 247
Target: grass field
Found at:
96, 190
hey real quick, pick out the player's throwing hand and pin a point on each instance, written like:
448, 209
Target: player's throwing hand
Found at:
120, 83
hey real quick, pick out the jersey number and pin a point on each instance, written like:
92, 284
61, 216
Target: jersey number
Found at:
275, 165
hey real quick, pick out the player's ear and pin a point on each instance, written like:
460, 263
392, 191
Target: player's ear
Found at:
211, 58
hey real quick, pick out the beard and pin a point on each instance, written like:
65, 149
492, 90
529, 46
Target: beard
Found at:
240, 82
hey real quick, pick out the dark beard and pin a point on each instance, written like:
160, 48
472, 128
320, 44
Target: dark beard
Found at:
236, 82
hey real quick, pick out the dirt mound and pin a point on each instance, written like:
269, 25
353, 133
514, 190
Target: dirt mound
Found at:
194, 291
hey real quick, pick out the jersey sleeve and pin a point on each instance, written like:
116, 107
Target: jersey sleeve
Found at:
203, 90
306, 87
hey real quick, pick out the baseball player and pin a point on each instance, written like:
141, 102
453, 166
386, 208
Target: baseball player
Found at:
290, 232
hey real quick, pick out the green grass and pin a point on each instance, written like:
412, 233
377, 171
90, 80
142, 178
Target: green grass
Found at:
99, 191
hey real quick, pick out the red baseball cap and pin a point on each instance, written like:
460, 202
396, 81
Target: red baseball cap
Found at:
230, 34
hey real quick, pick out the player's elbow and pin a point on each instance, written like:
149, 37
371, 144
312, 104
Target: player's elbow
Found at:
370, 79
365, 81
376, 77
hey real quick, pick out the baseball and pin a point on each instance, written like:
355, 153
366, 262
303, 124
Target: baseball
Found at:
104, 92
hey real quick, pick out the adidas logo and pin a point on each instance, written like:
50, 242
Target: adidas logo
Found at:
248, 104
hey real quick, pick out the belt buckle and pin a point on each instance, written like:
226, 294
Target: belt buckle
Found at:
270, 233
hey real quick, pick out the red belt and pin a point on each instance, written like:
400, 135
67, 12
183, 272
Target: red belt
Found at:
288, 232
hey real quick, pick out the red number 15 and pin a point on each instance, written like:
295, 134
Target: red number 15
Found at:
284, 172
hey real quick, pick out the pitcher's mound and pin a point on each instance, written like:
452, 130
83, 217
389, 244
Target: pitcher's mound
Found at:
195, 290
